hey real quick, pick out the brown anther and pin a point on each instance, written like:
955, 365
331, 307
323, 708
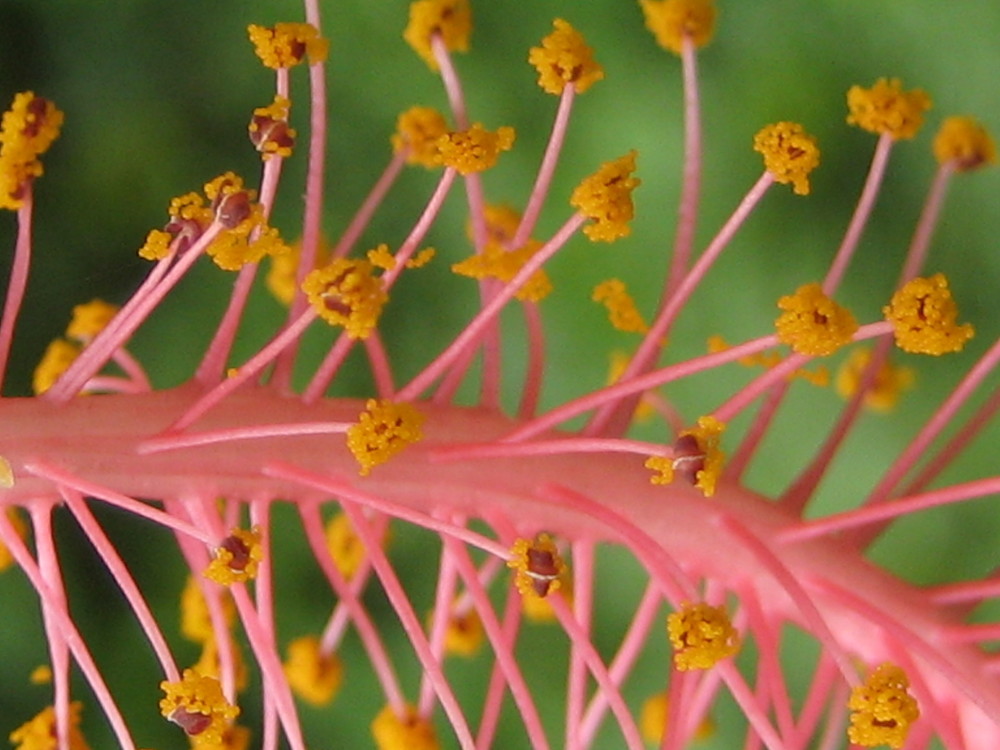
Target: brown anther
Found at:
232, 209
185, 233
266, 130
240, 552
36, 116
689, 458
192, 723
543, 569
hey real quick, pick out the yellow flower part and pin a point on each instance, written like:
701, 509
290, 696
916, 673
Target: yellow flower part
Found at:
501, 221
538, 566
237, 557
14, 516
410, 732
451, 20
383, 430
653, 720
886, 109
812, 323
287, 44
196, 624
882, 710
606, 197
59, 355
90, 319
789, 152
380, 257
418, 130
964, 143
27, 130
563, 58
345, 292
6, 475
346, 547
463, 635
281, 274
625, 316
473, 150
923, 316
39, 733
538, 608
233, 738
196, 704
696, 457
701, 635
156, 246
312, 675
209, 664
41, 675
673, 20
890, 381
269, 131
494, 262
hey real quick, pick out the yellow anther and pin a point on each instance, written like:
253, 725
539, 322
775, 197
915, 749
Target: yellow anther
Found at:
237, 557
882, 710
671, 21
924, 317
606, 197
474, 150
965, 144
701, 635
886, 109
696, 457
346, 292
450, 20
790, 154
383, 429
812, 323
565, 58
313, 675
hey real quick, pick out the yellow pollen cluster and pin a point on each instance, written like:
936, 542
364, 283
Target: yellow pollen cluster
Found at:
380, 257
819, 377
409, 732
475, 149
886, 109
671, 21
383, 430
269, 131
313, 675
281, 279
882, 710
345, 292
90, 319
964, 143
345, 546
701, 635
812, 323
418, 130
563, 58
27, 130
14, 516
39, 733
606, 197
501, 222
494, 262
696, 457
624, 315
789, 152
463, 634
890, 381
237, 557
451, 20
923, 315
538, 566
197, 705
58, 357
285, 45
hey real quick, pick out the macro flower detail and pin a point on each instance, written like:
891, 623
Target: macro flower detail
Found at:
39, 733
345, 292
346, 548
269, 131
673, 21
196, 704
313, 675
448, 20
496, 262
606, 197
237, 557
473, 150
286, 45
90, 319
702, 636
564, 58
408, 732
790, 154
27, 130
882, 709
695, 457
418, 131
58, 357
964, 143
924, 317
538, 567
383, 429
464, 634
887, 109
624, 315
890, 380
812, 323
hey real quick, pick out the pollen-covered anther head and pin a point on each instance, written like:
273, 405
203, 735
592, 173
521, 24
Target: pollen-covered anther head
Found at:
269, 131
606, 197
671, 21
812, 323
90, 319
197, 705
27, 130
314, 676
889, 381
231, 203
451, 20
418, 130
58, 357
622, 310
964, 143
790, 154
882, 709
565, 58
924, 317
408, 732
346, 292
383, 429
538, 566
237, 557
463, 634
696, 457
285, 45
886, 109
473, 150
702, 636
39, 732
496, 262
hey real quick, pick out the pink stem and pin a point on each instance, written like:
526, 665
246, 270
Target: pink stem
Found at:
583, 603
18, 278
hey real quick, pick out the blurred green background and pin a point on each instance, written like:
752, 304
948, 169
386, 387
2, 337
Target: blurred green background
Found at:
157, 96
